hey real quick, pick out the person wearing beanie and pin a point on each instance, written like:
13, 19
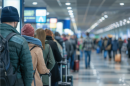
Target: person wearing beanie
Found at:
36, 50
19, 52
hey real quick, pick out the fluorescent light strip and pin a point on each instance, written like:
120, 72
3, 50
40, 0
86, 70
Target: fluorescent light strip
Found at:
67, 3
34, 3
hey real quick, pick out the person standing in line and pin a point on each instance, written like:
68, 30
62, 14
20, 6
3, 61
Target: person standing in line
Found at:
58, 38
87, 47
47, 54
80, 40
104, 47
128, 47
100, 43
57, 56
36, 48
109, 47
120, 44
19, 52
73, 42
115, 47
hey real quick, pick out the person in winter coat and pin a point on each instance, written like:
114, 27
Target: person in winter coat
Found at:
68, 47
109, 44
87, 47
55, 71
47, 54
73, 43
80, 40
128, 47
105, 41
19, 53
35, 47
120, 44
115, 47
100, 42
58, 38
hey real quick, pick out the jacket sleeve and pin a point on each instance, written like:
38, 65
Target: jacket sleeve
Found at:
56, 53
26, 64
41, 67
51, 60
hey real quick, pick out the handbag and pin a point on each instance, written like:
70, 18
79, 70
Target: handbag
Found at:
108, 47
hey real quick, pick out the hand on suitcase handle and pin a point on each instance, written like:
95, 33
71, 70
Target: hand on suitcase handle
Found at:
49, 74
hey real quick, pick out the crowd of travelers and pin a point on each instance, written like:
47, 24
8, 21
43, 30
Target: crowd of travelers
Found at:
112, 46
33, 53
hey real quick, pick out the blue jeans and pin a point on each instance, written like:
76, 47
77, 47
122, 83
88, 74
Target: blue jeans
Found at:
72, 60
105, 54
81, 54
87, 60
54, 84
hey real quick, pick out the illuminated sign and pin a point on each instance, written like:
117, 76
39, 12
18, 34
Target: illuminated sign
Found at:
53, 23
35, 15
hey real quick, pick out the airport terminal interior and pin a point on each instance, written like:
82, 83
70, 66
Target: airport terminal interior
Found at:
101, 19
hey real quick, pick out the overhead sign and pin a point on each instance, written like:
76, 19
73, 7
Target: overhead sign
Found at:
35, 15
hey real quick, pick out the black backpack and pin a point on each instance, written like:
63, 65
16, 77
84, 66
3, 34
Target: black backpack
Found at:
7, 77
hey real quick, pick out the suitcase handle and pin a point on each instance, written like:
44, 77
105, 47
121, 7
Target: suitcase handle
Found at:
49, 74
62, 63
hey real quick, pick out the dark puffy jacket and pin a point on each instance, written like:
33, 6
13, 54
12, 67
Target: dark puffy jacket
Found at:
120, 44
73, 42
128, 45
55, 71
69, 48
19, 55
115, 45
59, 40
109, 43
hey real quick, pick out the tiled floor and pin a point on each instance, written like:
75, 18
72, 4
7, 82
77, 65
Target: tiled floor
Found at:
103, 73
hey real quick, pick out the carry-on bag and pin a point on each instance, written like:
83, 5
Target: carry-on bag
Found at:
49, 75
70, 79
118, 58
98, 50
76, 65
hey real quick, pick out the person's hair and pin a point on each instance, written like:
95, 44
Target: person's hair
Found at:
49, 32
105, 38
41, 35
64, 35
87, 34
57, 34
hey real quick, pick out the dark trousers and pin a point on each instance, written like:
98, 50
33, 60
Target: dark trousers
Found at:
114, 54
54, 84
129, 53
120, 50
109, 54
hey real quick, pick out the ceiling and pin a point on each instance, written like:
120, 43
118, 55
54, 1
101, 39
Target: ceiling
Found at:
86, 12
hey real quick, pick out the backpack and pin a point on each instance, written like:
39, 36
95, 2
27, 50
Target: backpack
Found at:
7, 77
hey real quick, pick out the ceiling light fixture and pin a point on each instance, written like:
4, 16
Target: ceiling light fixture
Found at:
106, 16
122, 4
70, 11
34, 3
69, 8
0, 7
47, 13
128, 22
103, 18
67, 3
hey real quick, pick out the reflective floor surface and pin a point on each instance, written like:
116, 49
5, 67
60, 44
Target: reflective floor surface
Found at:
103, 72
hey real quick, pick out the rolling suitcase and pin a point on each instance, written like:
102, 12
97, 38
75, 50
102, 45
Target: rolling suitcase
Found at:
76, 65
118, 58
63, 66
98, 50
70, 79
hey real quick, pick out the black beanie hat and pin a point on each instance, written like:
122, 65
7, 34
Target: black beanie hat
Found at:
9, 14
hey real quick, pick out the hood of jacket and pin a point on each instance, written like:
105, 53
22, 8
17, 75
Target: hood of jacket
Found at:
33, 40
58, 38
65, 39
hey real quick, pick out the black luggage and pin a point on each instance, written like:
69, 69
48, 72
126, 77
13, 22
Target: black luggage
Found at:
70, 79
